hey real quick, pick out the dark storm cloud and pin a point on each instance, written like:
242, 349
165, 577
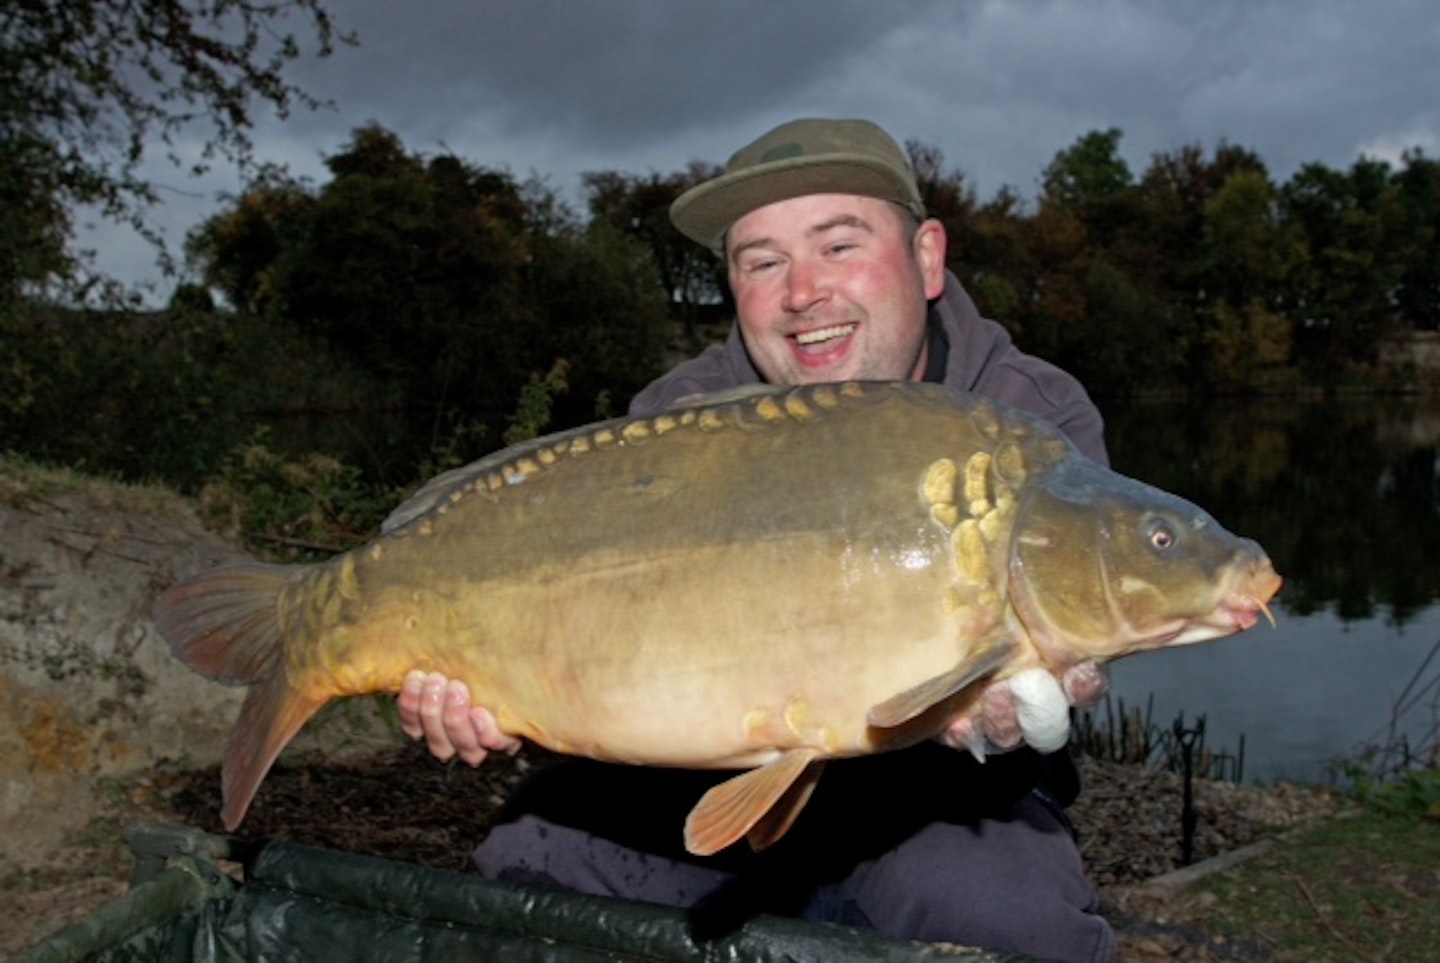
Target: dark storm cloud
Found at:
559, 87
607, 74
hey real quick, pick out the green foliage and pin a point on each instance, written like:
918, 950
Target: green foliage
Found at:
34, 222
1370, 237
239, 248
159, 396
447, 282
639, 207
1414, 793
107, 393
292, 509
532, 412
1417, 187
1087, 172
594, 304
1242, 345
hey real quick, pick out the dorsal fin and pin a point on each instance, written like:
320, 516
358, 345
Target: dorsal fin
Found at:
438, 490
770, 404
726, 396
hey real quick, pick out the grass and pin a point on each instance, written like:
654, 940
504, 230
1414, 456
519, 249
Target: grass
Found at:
23, 482
1362, 887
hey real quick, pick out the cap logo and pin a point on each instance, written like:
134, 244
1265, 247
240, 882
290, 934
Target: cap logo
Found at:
781, 152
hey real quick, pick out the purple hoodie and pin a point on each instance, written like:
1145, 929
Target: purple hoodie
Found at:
982, 358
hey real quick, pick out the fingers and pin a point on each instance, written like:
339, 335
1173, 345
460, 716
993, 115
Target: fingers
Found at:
457, 721
1000, 717
488, 734
993, 728
1086, 684
408, 704
967, 734
438, 710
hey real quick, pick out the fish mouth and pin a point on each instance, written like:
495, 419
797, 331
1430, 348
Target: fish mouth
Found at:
1235, 613
1249, 601
1239, 610
1245, 612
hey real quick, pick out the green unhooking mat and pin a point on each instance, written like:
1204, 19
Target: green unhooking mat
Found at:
297, 903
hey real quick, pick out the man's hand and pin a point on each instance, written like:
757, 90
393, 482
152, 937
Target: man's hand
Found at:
438, 710
1032, 708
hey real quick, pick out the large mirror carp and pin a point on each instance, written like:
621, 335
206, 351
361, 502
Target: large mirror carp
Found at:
759, 581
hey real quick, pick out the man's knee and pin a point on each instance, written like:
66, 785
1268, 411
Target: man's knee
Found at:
1016, 884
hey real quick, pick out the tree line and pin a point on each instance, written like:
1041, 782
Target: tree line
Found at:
432, 285
484, 307
1201, 273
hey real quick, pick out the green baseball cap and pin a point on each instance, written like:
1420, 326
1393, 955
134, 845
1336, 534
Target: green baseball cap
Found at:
808, 156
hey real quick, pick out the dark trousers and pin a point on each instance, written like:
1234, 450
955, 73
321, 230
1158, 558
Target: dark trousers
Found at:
1014, 883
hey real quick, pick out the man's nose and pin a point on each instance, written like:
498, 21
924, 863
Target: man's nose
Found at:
805, 286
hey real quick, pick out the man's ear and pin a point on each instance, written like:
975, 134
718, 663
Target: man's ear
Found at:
930, 245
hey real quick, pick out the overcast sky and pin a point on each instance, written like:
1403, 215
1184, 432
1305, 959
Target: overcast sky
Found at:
559, 87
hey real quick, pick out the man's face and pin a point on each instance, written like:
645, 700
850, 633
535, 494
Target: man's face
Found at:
834, 287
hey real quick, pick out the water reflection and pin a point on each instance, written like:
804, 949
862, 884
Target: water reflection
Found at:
1346, 498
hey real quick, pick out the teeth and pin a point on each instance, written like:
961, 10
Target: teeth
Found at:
824, 334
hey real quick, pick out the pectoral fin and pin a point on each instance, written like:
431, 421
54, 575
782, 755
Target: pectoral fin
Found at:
762, 803
910, 703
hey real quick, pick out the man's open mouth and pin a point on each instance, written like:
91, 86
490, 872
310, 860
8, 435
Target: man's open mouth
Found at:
820, 335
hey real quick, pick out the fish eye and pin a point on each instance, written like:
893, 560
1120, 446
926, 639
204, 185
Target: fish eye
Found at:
1162, 536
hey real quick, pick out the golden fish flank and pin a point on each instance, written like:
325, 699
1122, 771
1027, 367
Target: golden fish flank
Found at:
766, 578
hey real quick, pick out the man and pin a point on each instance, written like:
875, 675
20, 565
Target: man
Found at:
837, 275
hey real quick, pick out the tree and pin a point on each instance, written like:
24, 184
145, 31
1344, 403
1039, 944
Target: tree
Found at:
413, 267
1245, 261
238, 249
89, 87
33, 224
1088, 171
1170, 220
639, 207
1244, 344
1352, 222
1418, 190
450, 285
946, 196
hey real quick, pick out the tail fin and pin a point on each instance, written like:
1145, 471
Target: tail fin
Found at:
273, 712
225, 625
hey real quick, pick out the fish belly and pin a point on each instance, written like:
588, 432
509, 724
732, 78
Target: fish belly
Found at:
721, 656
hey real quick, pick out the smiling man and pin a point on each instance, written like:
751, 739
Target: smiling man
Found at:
837, 274
833, 287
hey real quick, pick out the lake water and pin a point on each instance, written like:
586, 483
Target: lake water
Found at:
1346, 498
